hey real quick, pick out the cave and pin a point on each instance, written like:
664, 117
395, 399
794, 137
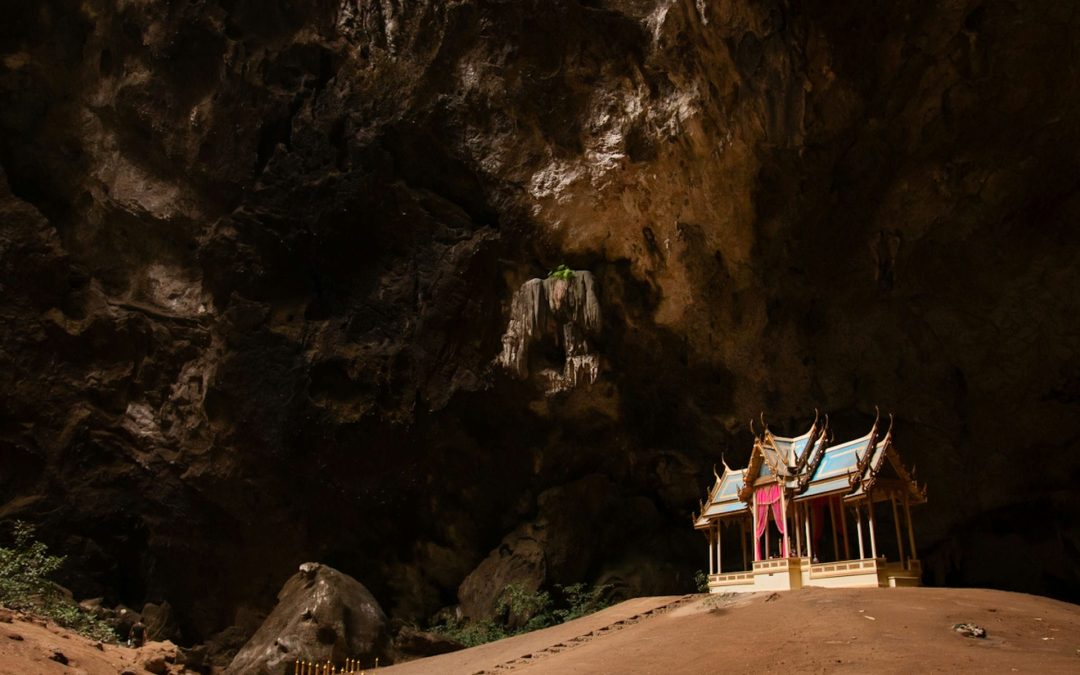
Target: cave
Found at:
257, 263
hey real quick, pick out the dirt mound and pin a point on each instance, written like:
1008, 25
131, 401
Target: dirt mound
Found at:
31, 646
890, 630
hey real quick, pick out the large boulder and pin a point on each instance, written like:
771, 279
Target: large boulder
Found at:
321, 615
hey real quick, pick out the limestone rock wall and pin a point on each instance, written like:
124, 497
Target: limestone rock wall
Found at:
257, 259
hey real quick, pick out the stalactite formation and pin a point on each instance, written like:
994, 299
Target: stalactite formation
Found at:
565, 310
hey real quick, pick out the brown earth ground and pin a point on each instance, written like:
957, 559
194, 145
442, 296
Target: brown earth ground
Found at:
27, 645
899, 630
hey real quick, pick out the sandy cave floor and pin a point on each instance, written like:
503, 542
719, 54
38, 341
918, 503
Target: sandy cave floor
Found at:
886, 630
902, 630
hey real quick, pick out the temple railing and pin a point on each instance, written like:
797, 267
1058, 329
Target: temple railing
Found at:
732, 578
845, 568
773, 564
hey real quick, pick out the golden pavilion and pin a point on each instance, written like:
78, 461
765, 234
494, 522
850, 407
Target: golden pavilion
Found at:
810, 512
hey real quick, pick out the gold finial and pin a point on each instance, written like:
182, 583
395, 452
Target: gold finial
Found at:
752, 432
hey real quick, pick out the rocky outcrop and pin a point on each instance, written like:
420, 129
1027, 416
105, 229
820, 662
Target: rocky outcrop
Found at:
580, 529
564, 309
257, 259
322, 616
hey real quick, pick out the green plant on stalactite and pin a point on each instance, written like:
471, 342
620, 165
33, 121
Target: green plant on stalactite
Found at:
561, 272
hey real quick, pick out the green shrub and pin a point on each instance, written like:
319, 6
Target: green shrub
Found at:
561, 272
580, 599
523, 611
702, 581
520, 611
471, 634
25, 569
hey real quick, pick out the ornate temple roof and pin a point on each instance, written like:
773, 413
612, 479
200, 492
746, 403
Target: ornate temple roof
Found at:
811, 466
883, 471
723, 497
833, 467
780, 456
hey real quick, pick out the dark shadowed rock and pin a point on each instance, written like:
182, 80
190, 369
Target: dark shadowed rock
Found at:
559, 546
159, 620
412, 643
321, 615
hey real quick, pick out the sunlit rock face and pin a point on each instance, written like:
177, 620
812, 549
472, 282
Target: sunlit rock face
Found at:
258, 258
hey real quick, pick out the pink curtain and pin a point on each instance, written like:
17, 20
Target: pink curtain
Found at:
764, 497
778, 517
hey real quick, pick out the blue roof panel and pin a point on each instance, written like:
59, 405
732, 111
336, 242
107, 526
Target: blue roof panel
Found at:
840, 484
797, 447
732, 507
840, 460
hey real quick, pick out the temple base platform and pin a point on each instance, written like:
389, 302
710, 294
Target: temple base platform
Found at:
785, 574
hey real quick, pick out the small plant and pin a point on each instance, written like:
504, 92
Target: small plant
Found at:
524, 610
521, 611
581, 599
702, 581
471, 634
25, 569
561, 272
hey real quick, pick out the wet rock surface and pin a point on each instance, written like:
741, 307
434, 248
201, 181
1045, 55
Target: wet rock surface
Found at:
257, 261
